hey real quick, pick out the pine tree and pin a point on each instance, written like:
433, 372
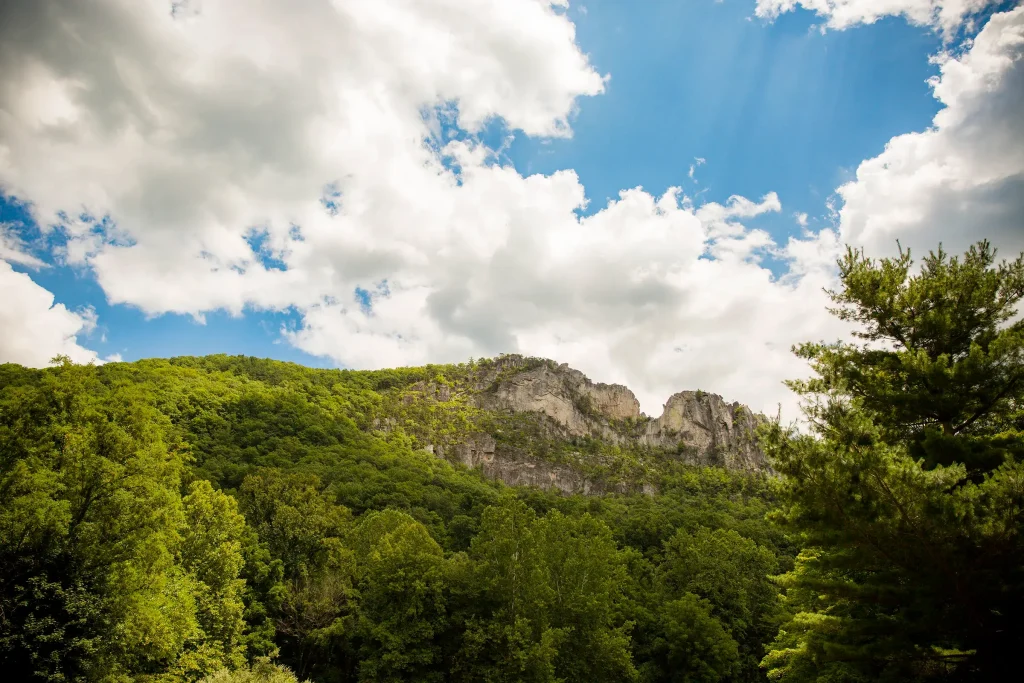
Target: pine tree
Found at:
909, 493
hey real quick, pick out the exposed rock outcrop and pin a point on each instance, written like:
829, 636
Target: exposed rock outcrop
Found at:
537, 423
481, 451
709, 430
517, 469
563, 394
701, 427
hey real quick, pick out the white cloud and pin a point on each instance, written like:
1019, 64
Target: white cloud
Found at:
189, 132
36, 329
195, 138
13, 248
697, 161
944, 15
963, 178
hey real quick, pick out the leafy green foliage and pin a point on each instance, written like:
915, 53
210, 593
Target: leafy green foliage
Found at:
694, 646
89, 520
403, 604
211, 553
909, 496
731, 573
262, 671
234, 519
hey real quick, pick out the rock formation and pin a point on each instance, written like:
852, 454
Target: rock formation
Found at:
565, 395
530, 421
712, 431
517, 469
701, 427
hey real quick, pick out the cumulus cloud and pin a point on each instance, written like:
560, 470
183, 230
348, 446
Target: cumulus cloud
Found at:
251, 155
963, 178
13, 248
323, 158
35, 328
188, 132
944, 15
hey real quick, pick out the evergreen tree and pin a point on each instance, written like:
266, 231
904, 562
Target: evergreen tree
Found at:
909, 495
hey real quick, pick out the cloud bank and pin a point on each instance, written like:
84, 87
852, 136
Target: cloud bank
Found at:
35, 328
946, 16
963, 178
323, 158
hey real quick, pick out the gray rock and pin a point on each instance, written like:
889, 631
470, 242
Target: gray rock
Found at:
515, 469
701, 427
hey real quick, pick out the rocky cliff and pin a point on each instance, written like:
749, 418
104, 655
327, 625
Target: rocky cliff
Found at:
543, 424
709, 430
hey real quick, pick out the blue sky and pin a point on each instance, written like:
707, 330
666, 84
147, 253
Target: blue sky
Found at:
769, 106
132, 334
777, 106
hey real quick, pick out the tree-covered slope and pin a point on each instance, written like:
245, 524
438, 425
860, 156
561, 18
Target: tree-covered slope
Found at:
166, 519
233, 520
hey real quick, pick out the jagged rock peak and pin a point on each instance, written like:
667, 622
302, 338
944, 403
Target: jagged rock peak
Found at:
719, 433
701, 426
565, 394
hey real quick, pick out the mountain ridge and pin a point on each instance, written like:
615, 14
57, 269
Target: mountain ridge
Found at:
522, 421
536, 422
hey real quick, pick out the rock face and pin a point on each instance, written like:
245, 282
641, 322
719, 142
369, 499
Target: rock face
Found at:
532, 422
701, 427
710, 430
483, 452
563, 394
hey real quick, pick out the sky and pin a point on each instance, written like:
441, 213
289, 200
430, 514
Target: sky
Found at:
654, 192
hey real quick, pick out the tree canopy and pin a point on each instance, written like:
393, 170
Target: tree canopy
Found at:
235, 519
908, 497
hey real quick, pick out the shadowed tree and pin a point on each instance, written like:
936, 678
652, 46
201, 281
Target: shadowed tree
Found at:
909, 495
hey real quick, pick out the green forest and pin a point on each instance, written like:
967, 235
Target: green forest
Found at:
229, 519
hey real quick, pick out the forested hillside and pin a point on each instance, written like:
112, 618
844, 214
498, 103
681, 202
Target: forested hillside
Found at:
170, 518
234, 519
